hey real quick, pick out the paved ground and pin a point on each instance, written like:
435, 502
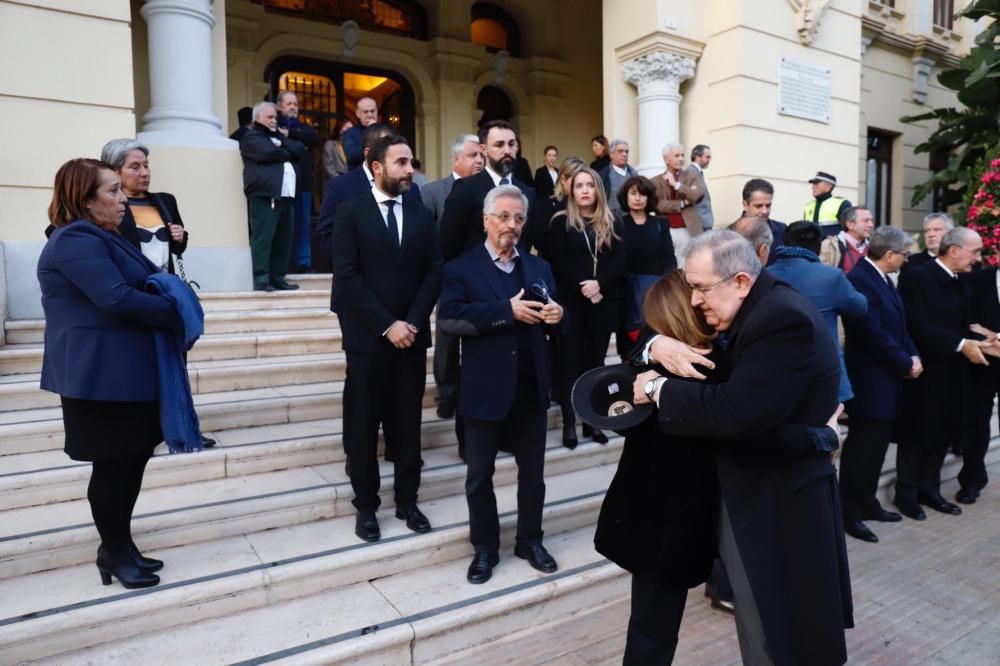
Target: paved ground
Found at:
927, 593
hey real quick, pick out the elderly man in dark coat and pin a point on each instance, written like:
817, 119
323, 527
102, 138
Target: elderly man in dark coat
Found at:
781, 534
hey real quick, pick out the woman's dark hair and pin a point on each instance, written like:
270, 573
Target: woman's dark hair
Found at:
76, 183
603, 140
338, 128
667, 310
644, 186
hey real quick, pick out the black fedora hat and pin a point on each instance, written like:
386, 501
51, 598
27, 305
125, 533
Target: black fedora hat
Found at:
603, 398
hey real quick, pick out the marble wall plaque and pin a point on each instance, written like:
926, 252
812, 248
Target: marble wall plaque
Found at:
804, 90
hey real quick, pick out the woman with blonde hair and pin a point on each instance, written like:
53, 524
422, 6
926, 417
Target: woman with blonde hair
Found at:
587, 254
551, 205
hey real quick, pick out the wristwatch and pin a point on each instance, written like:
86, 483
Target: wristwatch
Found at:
650, 388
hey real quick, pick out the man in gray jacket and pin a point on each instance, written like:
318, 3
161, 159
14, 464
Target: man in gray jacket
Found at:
701, 156
467, 160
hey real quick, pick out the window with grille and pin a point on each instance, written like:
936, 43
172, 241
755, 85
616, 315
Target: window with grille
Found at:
317, 99
944, 13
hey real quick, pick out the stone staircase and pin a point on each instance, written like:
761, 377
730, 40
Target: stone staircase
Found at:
257, 533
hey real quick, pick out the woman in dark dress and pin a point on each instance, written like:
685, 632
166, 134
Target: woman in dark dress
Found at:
660, 514
549, 206
599, 144
100, 355
587, 255
648, 248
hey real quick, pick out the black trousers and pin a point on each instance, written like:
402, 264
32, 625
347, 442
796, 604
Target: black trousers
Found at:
982, 393
654, 622
446, 347
112, 493
523, 429
918, 471
861, 465
579, 353
387, 389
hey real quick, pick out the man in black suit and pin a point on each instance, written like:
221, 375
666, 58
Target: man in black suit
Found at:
938, 318
388, 266
879, 355
500, 301
758, 197
781, 535
357, 181
984, 384
462, 221
936, 225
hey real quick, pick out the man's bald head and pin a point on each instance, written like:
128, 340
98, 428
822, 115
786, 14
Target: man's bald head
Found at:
757, 231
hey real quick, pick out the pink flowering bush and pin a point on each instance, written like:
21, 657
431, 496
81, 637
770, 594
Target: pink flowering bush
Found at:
983, 215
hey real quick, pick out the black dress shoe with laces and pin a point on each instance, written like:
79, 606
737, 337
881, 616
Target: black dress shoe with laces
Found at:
284, 286
884, 516
537, 557
911, 511
263, 287
967, 496
366, 526
859, 530
939, 503
415, 519
481, 568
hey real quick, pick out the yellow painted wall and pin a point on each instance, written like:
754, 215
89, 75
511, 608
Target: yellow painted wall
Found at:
56, 103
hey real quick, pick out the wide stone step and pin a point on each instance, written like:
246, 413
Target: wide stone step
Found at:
27, 358
32, 331
263, 570
47, 536
260, 300
313, 281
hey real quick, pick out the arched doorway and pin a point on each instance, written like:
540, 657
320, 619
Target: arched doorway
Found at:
329, 90
495, 104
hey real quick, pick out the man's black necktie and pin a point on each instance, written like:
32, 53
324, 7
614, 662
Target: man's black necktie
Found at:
390, 220
505, 181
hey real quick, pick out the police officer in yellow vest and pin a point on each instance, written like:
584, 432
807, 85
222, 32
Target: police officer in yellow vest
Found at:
825, 209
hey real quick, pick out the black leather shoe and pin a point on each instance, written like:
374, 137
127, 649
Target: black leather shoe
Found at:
284, 286
884, 516
722, 604
415, 519
121, 566
569, 436
939, 503
207, 442
366, 526
537, 557
147, 564
263, 287
598, 436
445, 409
481, 568
967, 496
859, 530
911, 511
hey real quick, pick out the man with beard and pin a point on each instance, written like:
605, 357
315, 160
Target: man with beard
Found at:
462, 220
491, 299
387, 261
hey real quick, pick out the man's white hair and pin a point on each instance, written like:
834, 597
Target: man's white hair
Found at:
260, 106
667, 149
460, 141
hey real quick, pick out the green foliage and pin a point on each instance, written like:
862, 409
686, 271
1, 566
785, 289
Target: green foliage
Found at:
966, 134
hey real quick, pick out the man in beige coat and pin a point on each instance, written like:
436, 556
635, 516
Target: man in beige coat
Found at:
678, 190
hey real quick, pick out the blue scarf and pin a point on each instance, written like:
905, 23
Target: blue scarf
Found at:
792, 252
177, 416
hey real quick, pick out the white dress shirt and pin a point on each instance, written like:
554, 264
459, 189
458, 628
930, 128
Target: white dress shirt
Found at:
497, 177
368, 174
287, 177
380, 198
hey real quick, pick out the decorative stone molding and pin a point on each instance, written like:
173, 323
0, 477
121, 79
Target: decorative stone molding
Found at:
807, 17
349, 36
500, 63
658, 69
922, 68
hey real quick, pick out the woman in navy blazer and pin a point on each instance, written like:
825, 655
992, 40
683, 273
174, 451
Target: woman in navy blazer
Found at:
99, 354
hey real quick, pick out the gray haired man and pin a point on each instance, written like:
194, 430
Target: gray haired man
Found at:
615, 174
701, 157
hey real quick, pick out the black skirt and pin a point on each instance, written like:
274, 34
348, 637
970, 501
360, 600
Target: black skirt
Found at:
104, 430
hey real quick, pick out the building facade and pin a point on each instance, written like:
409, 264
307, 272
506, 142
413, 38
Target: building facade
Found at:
778, 88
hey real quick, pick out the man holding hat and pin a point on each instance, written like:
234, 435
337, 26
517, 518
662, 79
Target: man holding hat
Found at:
825, 209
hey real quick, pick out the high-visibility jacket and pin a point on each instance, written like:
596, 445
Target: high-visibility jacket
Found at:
827, 211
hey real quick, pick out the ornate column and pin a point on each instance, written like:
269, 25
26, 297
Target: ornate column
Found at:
180, 74
658, 77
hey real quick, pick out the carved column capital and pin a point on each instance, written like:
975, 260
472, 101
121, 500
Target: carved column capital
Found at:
660, 67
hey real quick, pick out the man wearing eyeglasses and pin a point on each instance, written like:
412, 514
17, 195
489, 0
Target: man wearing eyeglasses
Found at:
938, 317
501, 301
781, 534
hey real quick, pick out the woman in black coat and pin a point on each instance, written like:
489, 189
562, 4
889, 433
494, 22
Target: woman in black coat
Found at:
599, 144
152, 221
587, 255
661, 511
100, 354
